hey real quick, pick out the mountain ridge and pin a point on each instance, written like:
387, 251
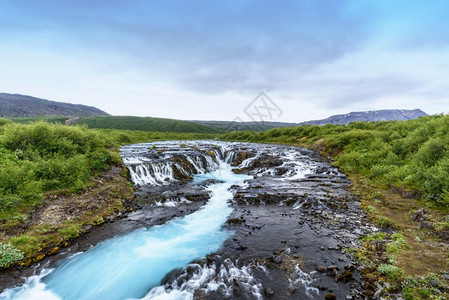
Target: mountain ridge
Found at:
358, 116
17, 105
370, 116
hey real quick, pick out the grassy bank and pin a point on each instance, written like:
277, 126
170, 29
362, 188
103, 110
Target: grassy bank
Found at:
44, 168
127, 123
401, 172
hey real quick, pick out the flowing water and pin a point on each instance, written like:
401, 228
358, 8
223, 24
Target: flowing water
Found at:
283, 219
127, 267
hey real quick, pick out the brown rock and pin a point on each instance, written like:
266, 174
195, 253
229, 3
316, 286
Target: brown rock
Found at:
330, 296
321, 269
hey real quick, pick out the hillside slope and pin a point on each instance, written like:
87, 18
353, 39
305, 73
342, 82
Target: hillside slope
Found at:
14, 105
145, 124
241, 126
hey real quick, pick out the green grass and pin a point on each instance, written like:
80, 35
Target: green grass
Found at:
408, 155
48, 158
40, 157
145, 124
127, 123
49, 119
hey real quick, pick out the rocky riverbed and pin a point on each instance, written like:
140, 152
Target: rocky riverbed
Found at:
291, 225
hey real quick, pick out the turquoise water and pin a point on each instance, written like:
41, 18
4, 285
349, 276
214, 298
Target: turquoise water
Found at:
128, 266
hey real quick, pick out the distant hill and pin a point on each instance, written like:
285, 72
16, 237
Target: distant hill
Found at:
363, 116
14, 105
371, 116
145, 124
240, 126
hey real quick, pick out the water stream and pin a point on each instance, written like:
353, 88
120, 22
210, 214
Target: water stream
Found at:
128, 266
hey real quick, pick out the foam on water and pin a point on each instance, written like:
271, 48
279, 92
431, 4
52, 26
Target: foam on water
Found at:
128, 266
208, 278
132, 266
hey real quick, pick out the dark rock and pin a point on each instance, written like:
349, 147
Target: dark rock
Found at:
269, 292
350, 267
346, 276
332, 268
377, 293
368, 293
235, 221
86, 227
420, 215
426, 225
280, 171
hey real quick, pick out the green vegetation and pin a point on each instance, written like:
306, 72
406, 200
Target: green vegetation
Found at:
41, 157
392, 272
423, 287
145, 124
406, 155
44, 157
159, 125
398, 168
9, 254
41, 160
49, 119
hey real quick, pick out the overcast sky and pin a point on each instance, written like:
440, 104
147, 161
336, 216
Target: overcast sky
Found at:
209, 59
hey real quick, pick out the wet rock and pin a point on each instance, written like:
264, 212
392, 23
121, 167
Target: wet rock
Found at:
346, 276
321, 269
269, 292
332, 268
377, 294
280, 171
235, 221
277, 259
241, 156
330, 296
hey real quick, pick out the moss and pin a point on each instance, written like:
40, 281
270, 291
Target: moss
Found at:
70, 231
386, 222
26, 243
441, 226
374, 237
38, 257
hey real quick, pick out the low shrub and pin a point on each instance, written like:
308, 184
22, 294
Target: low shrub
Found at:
394, 273
9, 254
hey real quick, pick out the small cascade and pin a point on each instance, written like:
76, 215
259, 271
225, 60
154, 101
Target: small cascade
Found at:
222, 278
160, 164
168, 261
128, 266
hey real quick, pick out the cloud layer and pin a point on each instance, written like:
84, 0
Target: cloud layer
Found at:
209, 59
